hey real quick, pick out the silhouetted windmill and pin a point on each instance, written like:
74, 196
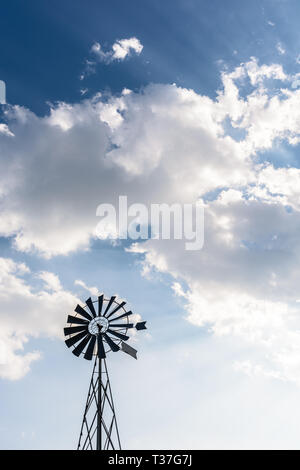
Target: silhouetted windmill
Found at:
94, 334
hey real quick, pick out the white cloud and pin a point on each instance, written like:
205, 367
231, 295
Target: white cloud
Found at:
256, 73
281, 50
91, 290
97, 49
55, 175
5, 130
51, 281
244, 283
83, 91
170, 144
280, 184
121, 49
27, 313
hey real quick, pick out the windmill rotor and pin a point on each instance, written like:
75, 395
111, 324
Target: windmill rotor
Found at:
98, 327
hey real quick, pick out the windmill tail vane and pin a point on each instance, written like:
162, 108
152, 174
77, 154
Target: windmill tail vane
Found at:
97, 328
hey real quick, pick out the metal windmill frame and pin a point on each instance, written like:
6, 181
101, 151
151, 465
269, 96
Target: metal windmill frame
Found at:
100, 395
94, 336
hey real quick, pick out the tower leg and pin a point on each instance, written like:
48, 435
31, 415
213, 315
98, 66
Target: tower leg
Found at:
99, 415
99, 429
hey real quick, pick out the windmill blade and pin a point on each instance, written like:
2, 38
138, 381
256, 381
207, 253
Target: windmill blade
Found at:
91, 307
141, 325
122, 325
118, 335
76, 320
74, 339
101, 352
116, 309
74, 329
100, 304
111, 300
90, 349
129, 350
80, 347
82, 312
126, 314
113, 346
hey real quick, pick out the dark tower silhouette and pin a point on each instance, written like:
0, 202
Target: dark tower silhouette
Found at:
93, 334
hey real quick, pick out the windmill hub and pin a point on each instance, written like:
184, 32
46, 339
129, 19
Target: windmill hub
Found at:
98, 325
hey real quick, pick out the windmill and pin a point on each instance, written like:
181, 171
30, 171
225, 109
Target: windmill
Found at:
97, 328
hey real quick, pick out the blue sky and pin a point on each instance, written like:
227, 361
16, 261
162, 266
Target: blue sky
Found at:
185, 41
212, 113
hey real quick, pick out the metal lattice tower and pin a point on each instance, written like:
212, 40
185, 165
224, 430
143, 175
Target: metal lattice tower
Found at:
94, 335
99, 430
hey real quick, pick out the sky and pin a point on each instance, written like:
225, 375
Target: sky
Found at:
179, 101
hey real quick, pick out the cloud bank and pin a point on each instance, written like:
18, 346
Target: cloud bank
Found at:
28, 312
170, 144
